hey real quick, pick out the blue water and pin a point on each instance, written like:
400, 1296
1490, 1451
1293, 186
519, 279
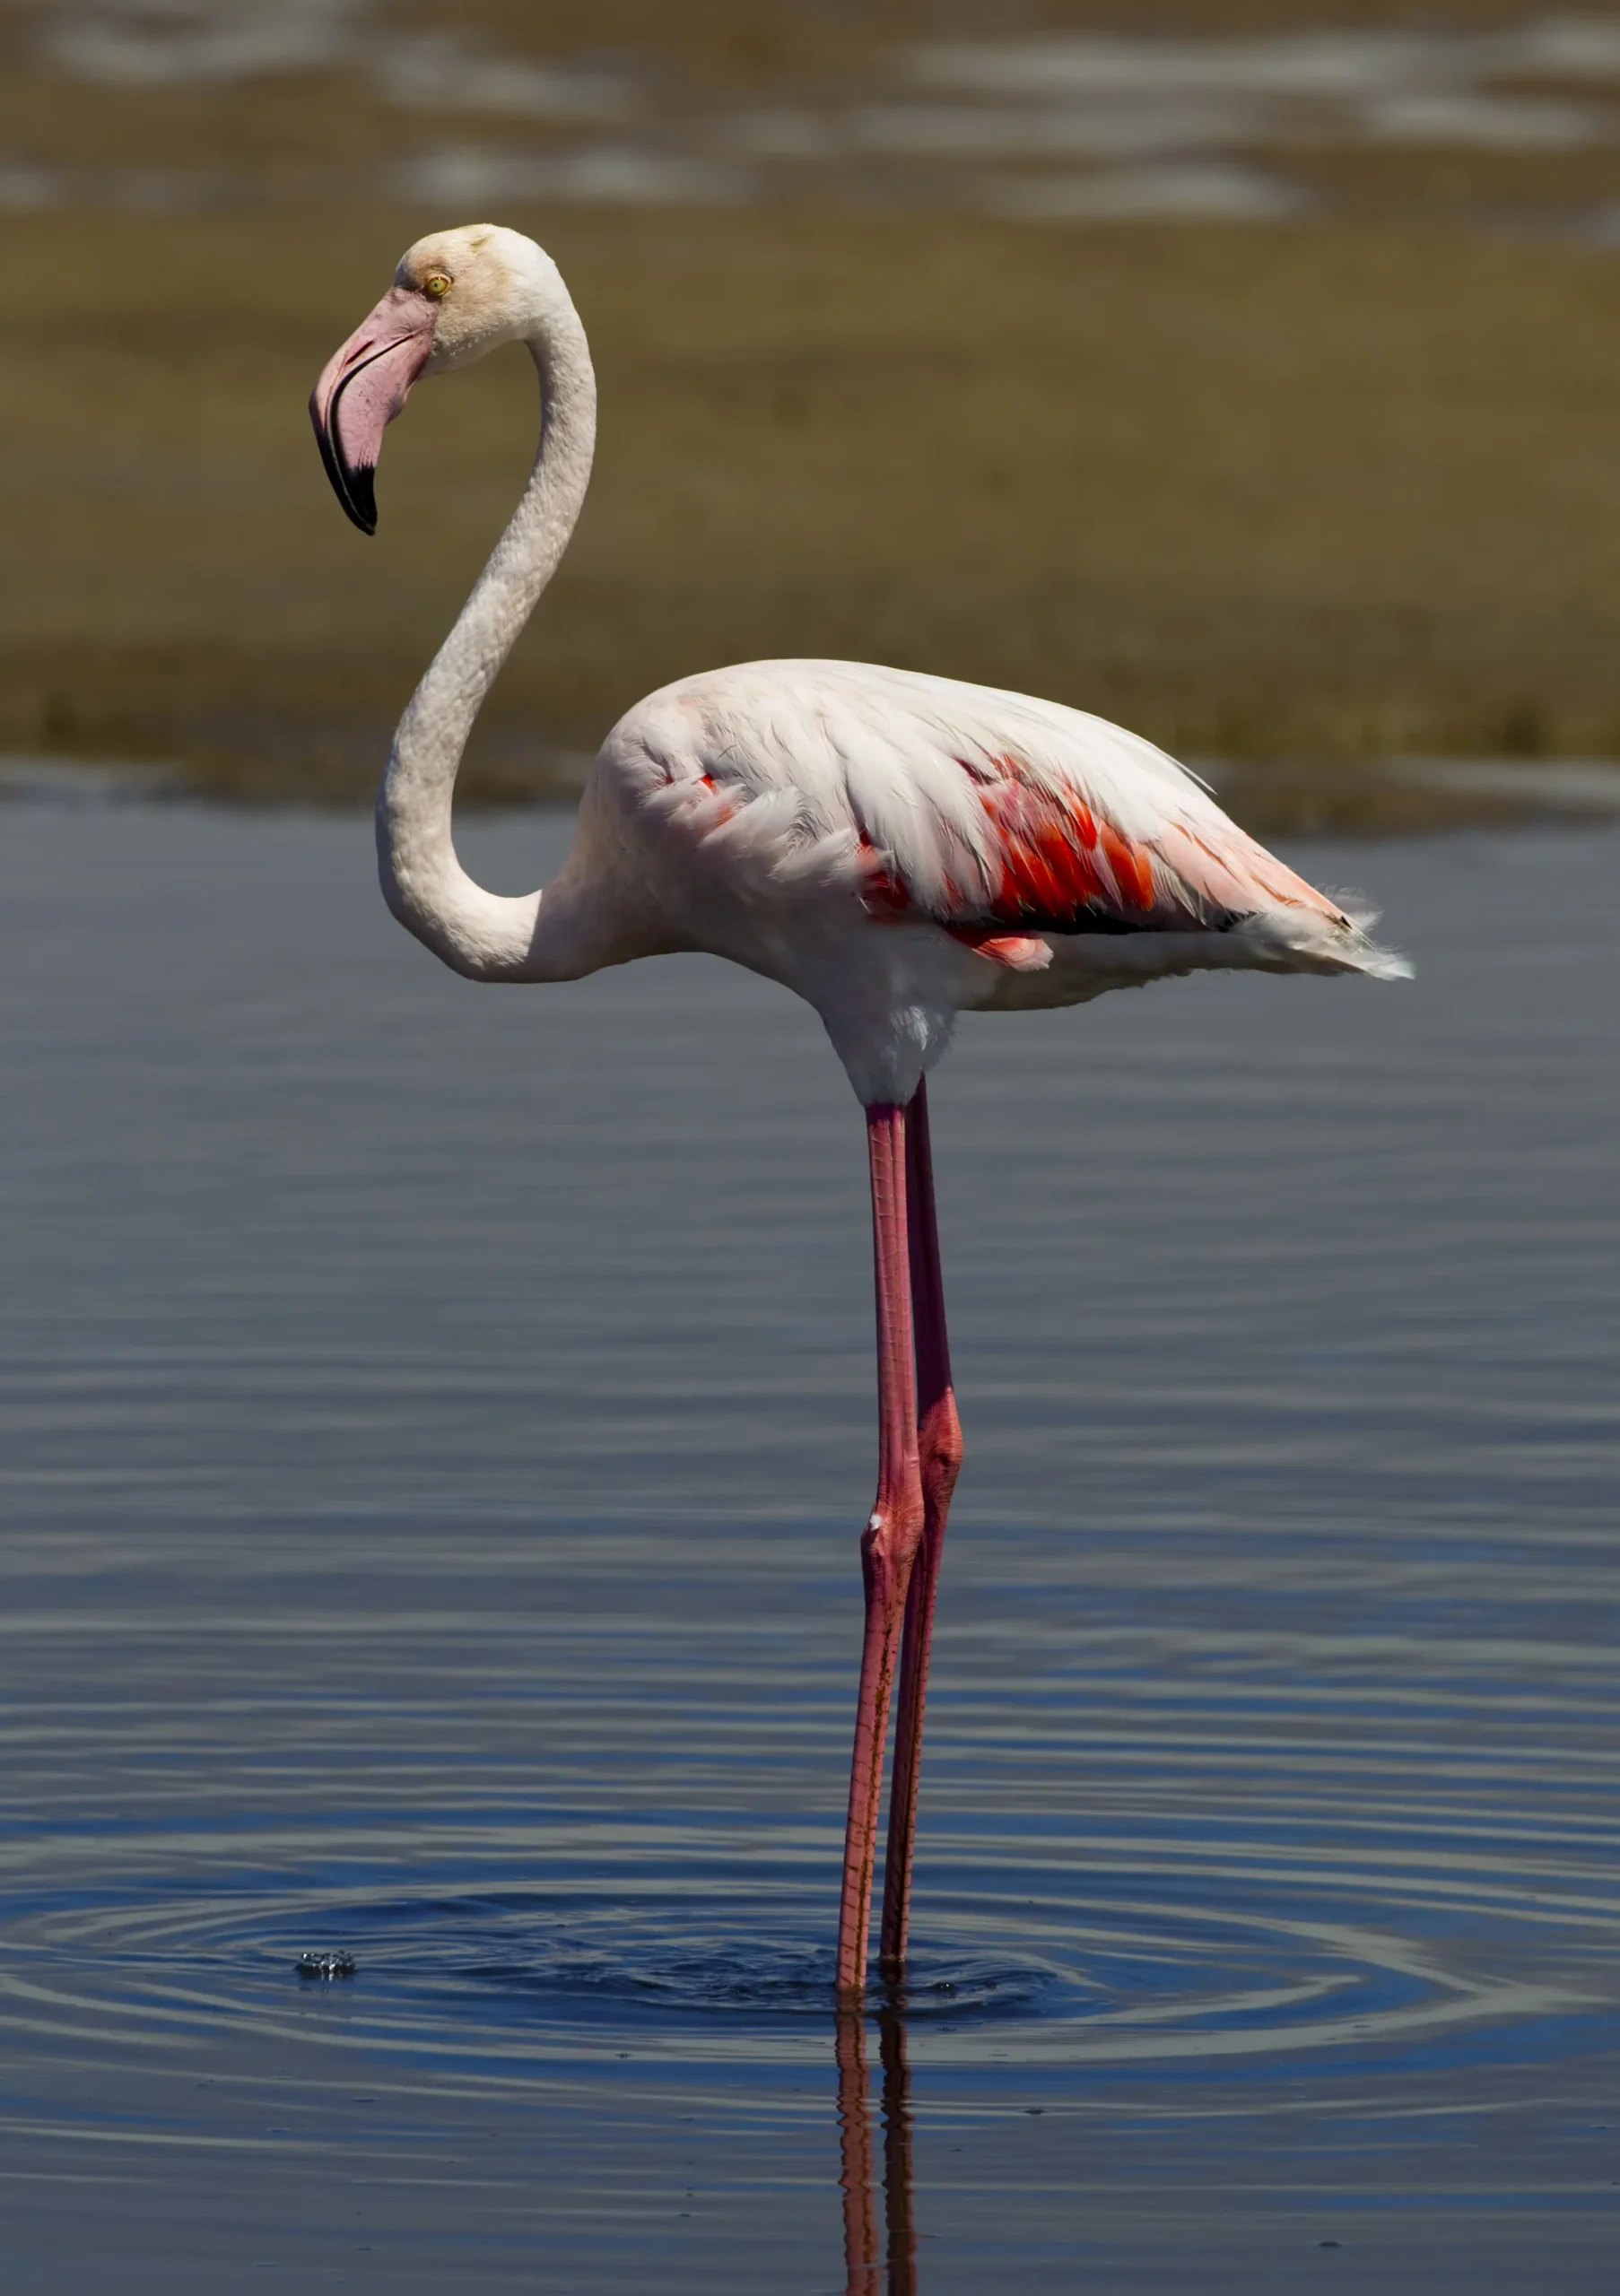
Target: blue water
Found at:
435, 1425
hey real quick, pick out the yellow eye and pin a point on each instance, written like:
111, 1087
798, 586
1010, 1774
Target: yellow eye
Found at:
436, 284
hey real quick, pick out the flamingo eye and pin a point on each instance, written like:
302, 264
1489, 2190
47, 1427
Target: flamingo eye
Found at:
436, 285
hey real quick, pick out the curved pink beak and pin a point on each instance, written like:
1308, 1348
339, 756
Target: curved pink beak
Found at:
362, 388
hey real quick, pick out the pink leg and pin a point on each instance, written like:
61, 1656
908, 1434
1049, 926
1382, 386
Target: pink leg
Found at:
939, 1460
892, 1534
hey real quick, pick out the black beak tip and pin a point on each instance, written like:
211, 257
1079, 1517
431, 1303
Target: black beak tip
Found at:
359, 495
355, 485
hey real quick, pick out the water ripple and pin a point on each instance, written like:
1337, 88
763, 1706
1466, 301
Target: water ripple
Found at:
411, 1558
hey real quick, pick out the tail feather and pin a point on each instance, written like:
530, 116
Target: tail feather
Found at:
1305, 940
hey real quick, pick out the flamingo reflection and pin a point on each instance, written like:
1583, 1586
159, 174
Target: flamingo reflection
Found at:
864, 2251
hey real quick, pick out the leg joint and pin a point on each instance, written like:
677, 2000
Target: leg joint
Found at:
893, 1531
940, 1447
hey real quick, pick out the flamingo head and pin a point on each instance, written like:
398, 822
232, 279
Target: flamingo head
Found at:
455, 296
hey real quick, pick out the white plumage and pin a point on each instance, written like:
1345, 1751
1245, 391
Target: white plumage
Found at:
872, 836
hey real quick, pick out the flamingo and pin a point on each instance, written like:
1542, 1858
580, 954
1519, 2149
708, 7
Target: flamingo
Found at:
896, 848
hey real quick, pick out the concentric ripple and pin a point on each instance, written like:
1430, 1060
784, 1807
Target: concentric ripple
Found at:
688, 1959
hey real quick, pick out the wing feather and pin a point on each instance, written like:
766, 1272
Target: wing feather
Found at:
995, 815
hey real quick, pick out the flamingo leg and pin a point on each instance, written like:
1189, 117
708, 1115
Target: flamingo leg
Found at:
939, 1461
893, 1532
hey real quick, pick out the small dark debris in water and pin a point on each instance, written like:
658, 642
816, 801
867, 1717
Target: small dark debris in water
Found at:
326, 1966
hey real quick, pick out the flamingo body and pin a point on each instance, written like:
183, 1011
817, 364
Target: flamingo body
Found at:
897, 849
894, 847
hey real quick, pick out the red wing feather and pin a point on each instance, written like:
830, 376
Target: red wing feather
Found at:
1047, 863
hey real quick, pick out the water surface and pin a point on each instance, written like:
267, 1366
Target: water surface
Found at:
437, 1425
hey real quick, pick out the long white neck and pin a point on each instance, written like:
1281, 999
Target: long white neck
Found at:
490, 937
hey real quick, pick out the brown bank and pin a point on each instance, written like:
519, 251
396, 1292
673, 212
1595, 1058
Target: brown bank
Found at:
1291, 495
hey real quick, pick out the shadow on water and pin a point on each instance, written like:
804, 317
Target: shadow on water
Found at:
868, 2259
